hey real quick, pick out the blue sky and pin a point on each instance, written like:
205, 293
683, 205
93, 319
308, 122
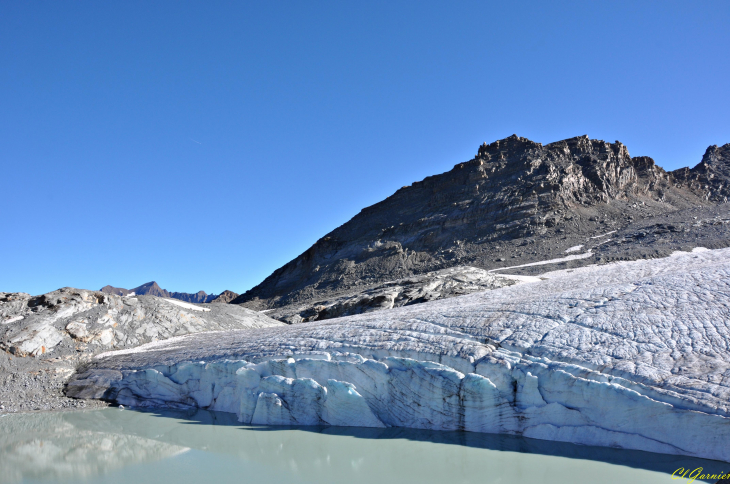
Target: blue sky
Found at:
205, 144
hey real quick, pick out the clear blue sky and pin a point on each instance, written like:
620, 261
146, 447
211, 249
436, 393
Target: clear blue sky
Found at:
205, 144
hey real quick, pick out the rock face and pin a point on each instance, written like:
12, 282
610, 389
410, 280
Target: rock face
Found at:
455, 281
51, 333
153, 289
710, 178
632, 355
516, 202
117, 291
36, 325
225, 297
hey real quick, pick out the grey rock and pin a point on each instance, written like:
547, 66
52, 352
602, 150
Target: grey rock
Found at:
34, 339
225, 297
455, 281
44, 338
117, 291
105, 321
88, 386
710, 177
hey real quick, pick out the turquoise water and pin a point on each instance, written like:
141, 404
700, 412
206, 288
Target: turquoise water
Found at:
123, 446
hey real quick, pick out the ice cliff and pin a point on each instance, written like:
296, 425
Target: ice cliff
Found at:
632, 355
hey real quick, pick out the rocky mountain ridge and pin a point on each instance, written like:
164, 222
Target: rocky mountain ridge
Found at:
516, 202
153, 289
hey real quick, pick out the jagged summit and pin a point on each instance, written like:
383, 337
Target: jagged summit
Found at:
513, 142
711, 175
225, 297
505, 203
153, 289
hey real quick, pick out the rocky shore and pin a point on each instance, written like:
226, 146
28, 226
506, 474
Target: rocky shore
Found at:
45, 338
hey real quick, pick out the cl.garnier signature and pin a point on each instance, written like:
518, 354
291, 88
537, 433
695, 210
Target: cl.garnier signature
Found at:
697, 473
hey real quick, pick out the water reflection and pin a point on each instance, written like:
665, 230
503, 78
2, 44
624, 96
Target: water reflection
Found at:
47, 446
104, 445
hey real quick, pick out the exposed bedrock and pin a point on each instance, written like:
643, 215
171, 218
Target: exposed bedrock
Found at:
515, 202
80, 321
454, 281
632, 355
44, 338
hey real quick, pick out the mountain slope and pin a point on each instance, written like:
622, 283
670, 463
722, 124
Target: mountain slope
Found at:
515, 202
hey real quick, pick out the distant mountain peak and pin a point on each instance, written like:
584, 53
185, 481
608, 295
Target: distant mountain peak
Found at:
153, 289
225, 297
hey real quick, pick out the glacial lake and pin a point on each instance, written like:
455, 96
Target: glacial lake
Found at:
125, 446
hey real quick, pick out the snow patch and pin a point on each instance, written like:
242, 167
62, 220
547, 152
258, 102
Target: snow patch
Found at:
603, 235
12, 320
519, 279
186, 305
550, 261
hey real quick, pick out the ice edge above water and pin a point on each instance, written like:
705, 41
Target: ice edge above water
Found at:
631, 355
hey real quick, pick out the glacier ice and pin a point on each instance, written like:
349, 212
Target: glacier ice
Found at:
631, 355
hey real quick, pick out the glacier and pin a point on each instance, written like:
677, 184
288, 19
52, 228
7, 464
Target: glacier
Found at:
631, 355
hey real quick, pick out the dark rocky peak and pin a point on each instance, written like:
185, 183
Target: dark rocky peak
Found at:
513, 190
574, 171
505, 147
225, 297
710, 177
717, 157
717, 161
150, 289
